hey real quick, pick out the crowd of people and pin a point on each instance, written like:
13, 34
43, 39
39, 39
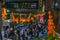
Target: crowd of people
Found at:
26, 31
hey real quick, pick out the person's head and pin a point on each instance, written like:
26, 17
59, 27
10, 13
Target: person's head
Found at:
7, 27
25, 29
11, 28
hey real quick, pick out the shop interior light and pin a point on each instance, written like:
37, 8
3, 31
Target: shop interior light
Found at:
56, 4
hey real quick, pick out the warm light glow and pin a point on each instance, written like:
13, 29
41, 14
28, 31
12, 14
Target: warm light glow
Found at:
24, 19
13, 18
29, 17
37, 15
51, 25
49, 12
50, 17
3, 13
16, 19
21, 19
32, 19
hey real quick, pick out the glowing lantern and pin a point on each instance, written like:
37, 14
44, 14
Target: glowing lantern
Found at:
13, 18
50, 23
16, 19
23, 20
50, 17
3, 13
28, 19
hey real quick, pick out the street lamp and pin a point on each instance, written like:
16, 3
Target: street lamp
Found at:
56, 5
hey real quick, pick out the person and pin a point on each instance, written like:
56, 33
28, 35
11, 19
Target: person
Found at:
18, 34
21, 35
0, 35
11, 34
5, 36
2, 32
25, 34
7, 31
29, 36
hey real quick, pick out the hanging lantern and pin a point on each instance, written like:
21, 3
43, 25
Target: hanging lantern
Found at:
3, 13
